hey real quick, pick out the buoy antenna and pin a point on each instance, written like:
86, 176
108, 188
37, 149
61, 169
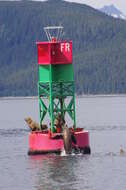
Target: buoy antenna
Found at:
54, 33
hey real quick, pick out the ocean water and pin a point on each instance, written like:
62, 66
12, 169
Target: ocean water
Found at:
105, 119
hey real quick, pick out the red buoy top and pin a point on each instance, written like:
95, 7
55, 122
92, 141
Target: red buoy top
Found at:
54, 52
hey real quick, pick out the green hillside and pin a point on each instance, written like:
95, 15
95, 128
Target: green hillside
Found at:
99, 46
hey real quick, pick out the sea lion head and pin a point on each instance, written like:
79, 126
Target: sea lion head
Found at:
28, 120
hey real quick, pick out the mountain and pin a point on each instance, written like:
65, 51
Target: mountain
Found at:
99, 46
111, 10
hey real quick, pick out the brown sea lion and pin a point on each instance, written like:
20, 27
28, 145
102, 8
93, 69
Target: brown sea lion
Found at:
35, 126
44, 127
31, 124
67, 140
122, 152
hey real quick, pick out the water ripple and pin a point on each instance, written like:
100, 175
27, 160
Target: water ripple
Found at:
106, 127
13, 132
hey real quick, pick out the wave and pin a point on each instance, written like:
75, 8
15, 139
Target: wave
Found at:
13, 132
105, 127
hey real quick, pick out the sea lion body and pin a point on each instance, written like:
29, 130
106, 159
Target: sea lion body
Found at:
35, 126
67, 140
31, 124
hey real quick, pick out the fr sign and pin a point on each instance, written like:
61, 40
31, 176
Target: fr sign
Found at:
65, 47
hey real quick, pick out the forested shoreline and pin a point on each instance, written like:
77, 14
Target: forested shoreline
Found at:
99, 46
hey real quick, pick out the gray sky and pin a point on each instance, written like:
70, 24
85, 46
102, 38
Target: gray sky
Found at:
120, 4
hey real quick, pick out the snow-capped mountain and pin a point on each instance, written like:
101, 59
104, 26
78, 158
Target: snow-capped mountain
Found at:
112, 11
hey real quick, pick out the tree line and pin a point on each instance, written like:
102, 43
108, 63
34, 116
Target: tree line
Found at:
99, 46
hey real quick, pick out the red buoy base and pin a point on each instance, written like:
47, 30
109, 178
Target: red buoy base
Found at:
42, 142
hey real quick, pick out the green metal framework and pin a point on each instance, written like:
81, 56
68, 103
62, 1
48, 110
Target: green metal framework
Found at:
55, 85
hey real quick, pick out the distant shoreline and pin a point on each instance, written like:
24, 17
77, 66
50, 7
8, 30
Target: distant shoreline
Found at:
77, 96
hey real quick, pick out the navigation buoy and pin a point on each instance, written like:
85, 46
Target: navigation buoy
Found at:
56, 99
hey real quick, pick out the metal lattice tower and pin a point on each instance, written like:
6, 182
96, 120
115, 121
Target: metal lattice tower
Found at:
55, 77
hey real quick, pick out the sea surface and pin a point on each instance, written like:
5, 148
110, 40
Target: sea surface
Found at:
104, 169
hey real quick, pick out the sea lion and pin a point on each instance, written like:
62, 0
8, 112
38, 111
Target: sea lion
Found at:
44, 127
31, 124
67, 140
35, 126
122, 152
